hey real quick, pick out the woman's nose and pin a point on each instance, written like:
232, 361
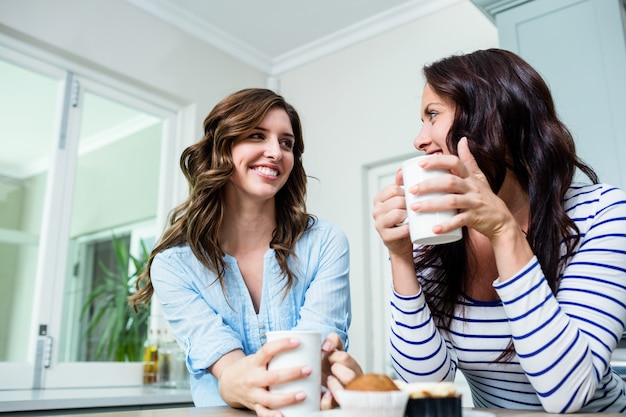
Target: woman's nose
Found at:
421, 141
272, 148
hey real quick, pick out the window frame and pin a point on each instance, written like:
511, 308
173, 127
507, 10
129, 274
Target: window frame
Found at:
54, 237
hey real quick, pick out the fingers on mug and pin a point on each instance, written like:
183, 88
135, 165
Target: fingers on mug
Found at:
308, 353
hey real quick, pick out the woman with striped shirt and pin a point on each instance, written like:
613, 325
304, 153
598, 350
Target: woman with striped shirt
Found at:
531, 303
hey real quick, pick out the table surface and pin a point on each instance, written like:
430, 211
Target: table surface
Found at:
231, 412
83, 398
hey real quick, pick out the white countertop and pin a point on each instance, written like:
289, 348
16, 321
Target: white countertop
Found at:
56, 399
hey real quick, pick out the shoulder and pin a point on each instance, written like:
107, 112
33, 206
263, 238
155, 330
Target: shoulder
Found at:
178, 263
323, 233
595, 207
173, 257
175, 252
593, 197
318, 228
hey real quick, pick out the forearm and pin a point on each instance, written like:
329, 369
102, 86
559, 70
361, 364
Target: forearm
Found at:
418, 351
403, 274
220, 371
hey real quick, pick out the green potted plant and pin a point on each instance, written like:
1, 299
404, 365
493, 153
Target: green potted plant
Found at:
121, 331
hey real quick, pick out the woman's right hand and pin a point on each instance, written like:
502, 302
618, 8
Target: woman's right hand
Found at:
389, 215
389, 219
243, 380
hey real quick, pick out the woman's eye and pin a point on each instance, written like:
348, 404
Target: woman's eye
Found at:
256, 136
432, 115
287, 144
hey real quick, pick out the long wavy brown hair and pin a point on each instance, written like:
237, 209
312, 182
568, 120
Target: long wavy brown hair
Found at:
506, 110
208, 166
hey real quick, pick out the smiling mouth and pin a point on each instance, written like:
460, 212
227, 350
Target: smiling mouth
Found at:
266, 171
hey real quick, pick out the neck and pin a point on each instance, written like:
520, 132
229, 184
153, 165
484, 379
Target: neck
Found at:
247, 227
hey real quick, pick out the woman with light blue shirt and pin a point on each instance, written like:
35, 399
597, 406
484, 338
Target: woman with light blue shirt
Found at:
242, 257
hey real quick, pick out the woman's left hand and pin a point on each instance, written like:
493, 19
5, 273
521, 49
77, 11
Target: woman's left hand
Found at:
468, 191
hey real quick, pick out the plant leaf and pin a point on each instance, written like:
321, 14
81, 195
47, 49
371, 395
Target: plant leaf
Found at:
122, 330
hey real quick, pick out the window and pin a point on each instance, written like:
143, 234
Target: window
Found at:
81, 161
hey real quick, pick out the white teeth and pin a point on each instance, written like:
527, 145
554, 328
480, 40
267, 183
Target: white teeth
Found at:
266, 171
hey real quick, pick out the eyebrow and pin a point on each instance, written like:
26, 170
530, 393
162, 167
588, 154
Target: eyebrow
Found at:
431, 104
291, 135
435, 103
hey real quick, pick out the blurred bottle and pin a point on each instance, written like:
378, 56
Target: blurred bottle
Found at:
166, 351
151, 354
172, 372
164, 361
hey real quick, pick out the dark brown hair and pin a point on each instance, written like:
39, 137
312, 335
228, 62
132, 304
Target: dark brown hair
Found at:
208, 166
506, 110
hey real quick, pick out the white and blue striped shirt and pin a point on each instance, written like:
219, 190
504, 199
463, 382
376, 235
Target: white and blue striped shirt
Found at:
563, 343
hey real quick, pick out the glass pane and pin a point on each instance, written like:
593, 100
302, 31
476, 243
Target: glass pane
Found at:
115, 195
28, 106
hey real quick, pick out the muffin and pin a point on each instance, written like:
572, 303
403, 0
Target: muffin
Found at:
432, 399
372, 395
372, 382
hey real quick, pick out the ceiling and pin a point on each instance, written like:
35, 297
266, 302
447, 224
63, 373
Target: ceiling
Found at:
277, 35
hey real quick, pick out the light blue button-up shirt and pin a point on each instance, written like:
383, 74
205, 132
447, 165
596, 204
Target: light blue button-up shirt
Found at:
208, 325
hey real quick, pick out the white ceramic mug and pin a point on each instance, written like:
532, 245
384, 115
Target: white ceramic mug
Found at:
309, 353
421, 224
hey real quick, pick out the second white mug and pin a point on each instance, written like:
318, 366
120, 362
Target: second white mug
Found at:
421, 224
308, 353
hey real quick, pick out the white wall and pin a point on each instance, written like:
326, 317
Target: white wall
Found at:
359, 105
